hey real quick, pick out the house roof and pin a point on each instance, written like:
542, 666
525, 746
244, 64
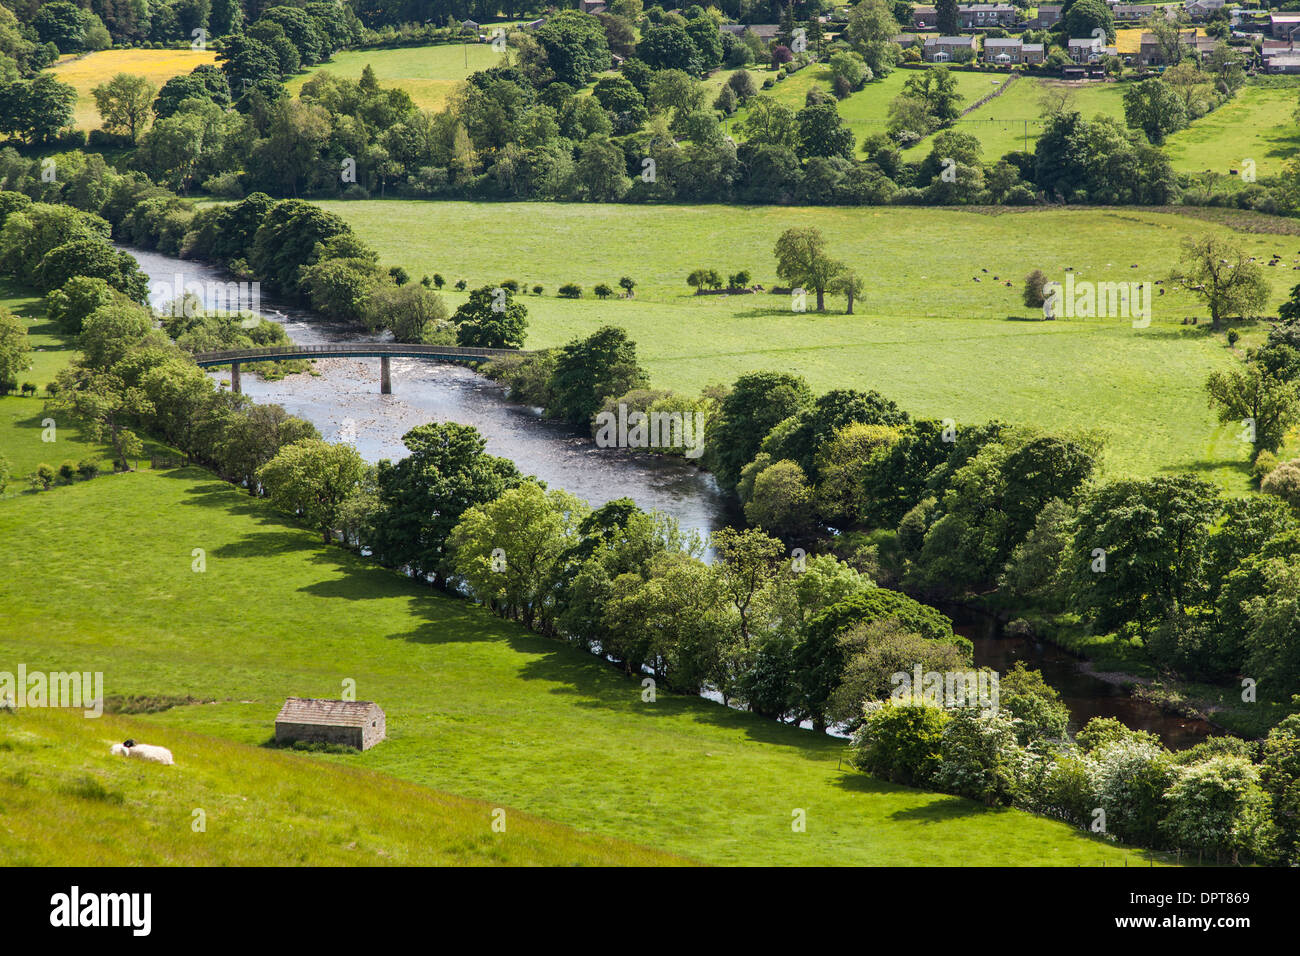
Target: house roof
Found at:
330, 713
764, 31
986, 7
1050, 7
950, 41
1032, 47
1284, 17
1000, 42
1187, 36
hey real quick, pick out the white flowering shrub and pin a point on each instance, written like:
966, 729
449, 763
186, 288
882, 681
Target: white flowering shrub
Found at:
981, 757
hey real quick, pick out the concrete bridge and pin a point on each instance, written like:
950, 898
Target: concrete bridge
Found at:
384, 351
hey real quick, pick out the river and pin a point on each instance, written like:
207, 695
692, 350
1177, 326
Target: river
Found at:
343, 401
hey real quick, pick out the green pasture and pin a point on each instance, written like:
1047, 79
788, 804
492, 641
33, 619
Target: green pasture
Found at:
475, 707
66, 801
935, 331
428, 73
1257, 124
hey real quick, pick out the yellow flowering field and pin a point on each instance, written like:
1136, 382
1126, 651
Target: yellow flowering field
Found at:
87, 72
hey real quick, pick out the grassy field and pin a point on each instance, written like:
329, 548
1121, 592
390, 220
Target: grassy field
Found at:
1013, 121
926, 334
1258, 124
475, 706
428, 73
87, 72
66, 801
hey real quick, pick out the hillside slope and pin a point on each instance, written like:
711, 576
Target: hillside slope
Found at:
478, 707
66, 801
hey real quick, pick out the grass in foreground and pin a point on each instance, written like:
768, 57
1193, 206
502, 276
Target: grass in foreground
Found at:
934, 331
66, 801
475, 706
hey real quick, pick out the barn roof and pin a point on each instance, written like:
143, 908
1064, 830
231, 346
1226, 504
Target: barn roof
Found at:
331, 713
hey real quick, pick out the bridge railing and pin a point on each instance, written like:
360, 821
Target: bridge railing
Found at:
359, 349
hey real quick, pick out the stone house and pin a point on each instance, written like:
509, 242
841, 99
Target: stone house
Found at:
1149, 53
350, 723
945, 49
975, 15
1049, 15
1282, 25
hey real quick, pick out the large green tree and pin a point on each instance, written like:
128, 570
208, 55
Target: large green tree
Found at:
575, 46
589, 371
312, 479
423, 496
802, 261
126, 104
1138, 550
1217, 269
1263, 405
510, 552
14, 347
755, 403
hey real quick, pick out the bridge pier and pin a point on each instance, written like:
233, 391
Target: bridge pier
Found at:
385, 376
234, 377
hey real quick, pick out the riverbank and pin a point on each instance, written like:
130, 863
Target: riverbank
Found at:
1124, 665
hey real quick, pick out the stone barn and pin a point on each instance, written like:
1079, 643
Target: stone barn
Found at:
351, 723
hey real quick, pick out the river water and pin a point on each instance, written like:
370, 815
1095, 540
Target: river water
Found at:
343, 401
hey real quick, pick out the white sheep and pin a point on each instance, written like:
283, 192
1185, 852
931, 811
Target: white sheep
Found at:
155, 754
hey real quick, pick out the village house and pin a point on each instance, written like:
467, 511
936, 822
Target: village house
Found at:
591, 6
349, 723
974, 15
1049, 15
945, 49
1002, 51
1012, 50
1268, 49
1202, 9
1282, 25
764, 31
1287, 62
1128, 12
1149, 53
1088, 49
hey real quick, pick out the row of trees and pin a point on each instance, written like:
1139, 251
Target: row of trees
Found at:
1223, 800
292, 247
954, 511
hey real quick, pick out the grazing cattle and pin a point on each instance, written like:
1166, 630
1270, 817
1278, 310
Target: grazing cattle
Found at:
150, 752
